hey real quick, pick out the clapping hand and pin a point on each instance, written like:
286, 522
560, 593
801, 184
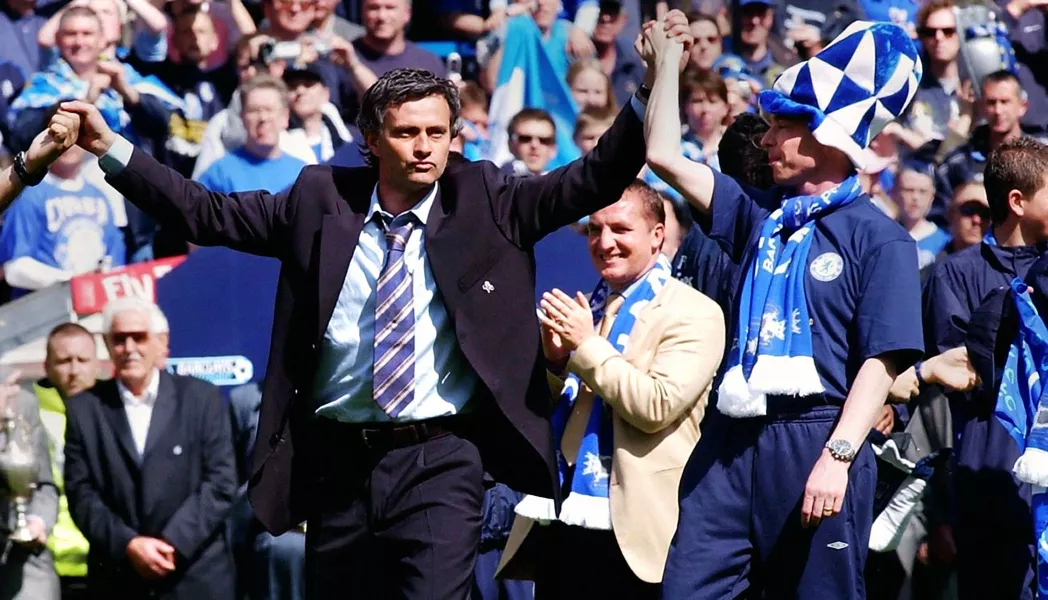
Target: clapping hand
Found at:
569, 318
117, 73
579, 44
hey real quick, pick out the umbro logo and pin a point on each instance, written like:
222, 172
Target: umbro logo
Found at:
837, 546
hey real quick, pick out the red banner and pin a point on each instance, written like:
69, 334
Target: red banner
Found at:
92, 291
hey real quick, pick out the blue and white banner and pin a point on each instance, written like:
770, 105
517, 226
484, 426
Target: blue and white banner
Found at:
1023, 411
528, 79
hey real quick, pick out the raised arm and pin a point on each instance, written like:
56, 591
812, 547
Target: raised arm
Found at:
254, 222
662, 124
532, 207
45, 148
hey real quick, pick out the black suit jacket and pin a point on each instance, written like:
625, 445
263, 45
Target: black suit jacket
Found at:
179, 490
479, 239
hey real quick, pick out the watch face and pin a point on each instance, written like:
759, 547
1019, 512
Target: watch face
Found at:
841, 447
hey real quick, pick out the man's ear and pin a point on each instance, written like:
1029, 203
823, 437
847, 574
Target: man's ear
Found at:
1015, 203
371, 141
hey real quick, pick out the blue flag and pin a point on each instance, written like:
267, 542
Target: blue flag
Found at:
1022, 408
532, 75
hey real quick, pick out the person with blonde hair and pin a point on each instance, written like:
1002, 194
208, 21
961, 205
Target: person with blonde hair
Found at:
591, 88
589, 126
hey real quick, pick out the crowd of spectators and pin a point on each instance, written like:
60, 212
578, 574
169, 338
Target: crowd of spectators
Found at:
243, 94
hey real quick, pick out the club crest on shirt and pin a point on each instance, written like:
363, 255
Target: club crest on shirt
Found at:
827, 266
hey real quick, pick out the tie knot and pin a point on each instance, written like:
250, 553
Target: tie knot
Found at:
614, 304
397, 234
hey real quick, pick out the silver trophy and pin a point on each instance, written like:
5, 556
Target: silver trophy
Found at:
19, 468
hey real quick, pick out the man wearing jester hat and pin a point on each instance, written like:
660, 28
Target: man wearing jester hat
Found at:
778, 495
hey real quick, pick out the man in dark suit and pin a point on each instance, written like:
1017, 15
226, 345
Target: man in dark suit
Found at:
149, 470
404, 319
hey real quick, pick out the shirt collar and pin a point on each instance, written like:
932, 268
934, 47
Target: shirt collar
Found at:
420, 210
69, 185
149, 397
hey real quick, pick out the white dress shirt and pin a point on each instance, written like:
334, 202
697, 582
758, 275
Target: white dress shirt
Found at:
444, 381
139, 409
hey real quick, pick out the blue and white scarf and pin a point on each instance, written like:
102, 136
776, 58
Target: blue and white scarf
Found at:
59, 83
772, 353
1022, 408
587, 503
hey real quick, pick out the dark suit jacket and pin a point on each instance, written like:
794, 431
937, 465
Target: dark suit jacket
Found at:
479, 240
179, 490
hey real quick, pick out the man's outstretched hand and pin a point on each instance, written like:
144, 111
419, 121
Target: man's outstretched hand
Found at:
50, 143
95, 136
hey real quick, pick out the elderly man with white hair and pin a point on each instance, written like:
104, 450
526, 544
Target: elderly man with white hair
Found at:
149, 469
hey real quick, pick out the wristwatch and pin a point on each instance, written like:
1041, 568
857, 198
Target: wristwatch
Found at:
644, 92
28, 179
841, 450
917, 370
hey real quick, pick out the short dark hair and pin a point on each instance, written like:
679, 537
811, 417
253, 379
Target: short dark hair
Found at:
651, 201
741, 155
529, 114
709, 83
191, 11
67, 330
472, 94
398, 87
1003, 76
696, 16
1020, 164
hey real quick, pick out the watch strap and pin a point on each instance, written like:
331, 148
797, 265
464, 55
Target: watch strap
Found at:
841, 456
28, 179
917, 370
644, 92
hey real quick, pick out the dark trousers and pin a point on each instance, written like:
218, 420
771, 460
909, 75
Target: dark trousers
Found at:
585, 563
739, 533
402, 523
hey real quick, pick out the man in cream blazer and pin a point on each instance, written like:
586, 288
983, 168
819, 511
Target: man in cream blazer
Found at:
654, 384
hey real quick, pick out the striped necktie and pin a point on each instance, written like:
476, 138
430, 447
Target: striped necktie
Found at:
394, 358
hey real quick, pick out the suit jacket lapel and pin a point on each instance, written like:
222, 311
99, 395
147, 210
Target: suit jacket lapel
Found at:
164, 409
442, 249
113, 407
339, 234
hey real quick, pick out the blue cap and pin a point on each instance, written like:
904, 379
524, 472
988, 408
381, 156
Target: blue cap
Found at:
749, 2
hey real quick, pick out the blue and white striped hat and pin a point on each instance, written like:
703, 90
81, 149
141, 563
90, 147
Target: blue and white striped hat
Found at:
860, 82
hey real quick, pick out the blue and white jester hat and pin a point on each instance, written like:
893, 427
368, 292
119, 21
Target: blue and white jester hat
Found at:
860, 82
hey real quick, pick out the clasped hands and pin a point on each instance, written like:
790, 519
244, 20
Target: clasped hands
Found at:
75, 122
671, 41
151, 557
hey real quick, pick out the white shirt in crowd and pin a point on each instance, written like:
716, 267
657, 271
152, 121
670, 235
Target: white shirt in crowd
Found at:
139, 410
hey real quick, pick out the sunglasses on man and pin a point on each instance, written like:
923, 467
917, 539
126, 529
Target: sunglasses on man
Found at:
972, 209
527, 139
931, 32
